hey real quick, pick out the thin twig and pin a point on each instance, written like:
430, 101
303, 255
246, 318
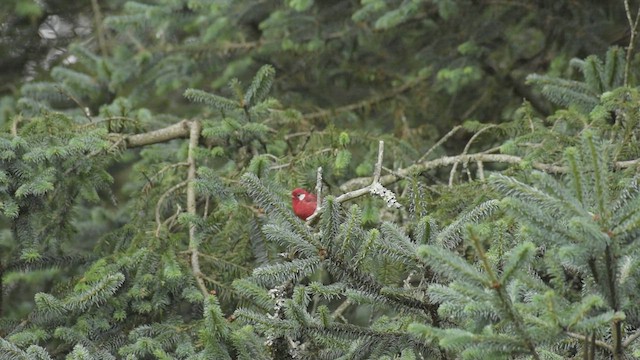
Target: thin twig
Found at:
146, 186
161, 200
363, 190
599, 343
631, 339
340, 309
194, 136
175, 131
465, 151
633, 26
84, 109
440, 142
318, 190
480, 170
14, 125
414, 169
378, 168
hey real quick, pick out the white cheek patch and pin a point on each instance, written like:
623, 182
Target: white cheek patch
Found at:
301, 197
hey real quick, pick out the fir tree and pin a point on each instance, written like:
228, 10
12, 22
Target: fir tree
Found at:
146, 168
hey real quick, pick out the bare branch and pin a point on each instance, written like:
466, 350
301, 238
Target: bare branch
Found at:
14, 125
599, 343
440, 142
378, 168
341, 309
194, 136
446, 161
175, 131
318, 190
149, 184
374, 187
465, 151
633, 27
161, 200
631, 339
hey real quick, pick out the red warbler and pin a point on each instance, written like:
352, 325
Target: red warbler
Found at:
303, 203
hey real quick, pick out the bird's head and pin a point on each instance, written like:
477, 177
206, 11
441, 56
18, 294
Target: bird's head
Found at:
299, 194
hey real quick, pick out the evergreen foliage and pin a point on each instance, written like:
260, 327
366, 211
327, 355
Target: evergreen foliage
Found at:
149, 148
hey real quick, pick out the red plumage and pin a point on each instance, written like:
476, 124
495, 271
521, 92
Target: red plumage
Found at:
303, 203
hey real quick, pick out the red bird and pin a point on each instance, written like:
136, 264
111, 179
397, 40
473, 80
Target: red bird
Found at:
303, 203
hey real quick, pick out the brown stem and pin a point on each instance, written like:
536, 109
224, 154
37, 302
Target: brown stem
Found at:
175, 131
446, 161
194, 136
633, 26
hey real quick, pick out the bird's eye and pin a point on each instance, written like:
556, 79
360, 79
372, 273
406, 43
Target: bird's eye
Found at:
301, 197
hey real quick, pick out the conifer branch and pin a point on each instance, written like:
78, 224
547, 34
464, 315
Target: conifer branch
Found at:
498, 287
616, 326
194, 136
352, 331
97, 120
97, 152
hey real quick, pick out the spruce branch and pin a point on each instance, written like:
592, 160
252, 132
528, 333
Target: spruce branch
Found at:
505, 300
97, 152
194, 136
